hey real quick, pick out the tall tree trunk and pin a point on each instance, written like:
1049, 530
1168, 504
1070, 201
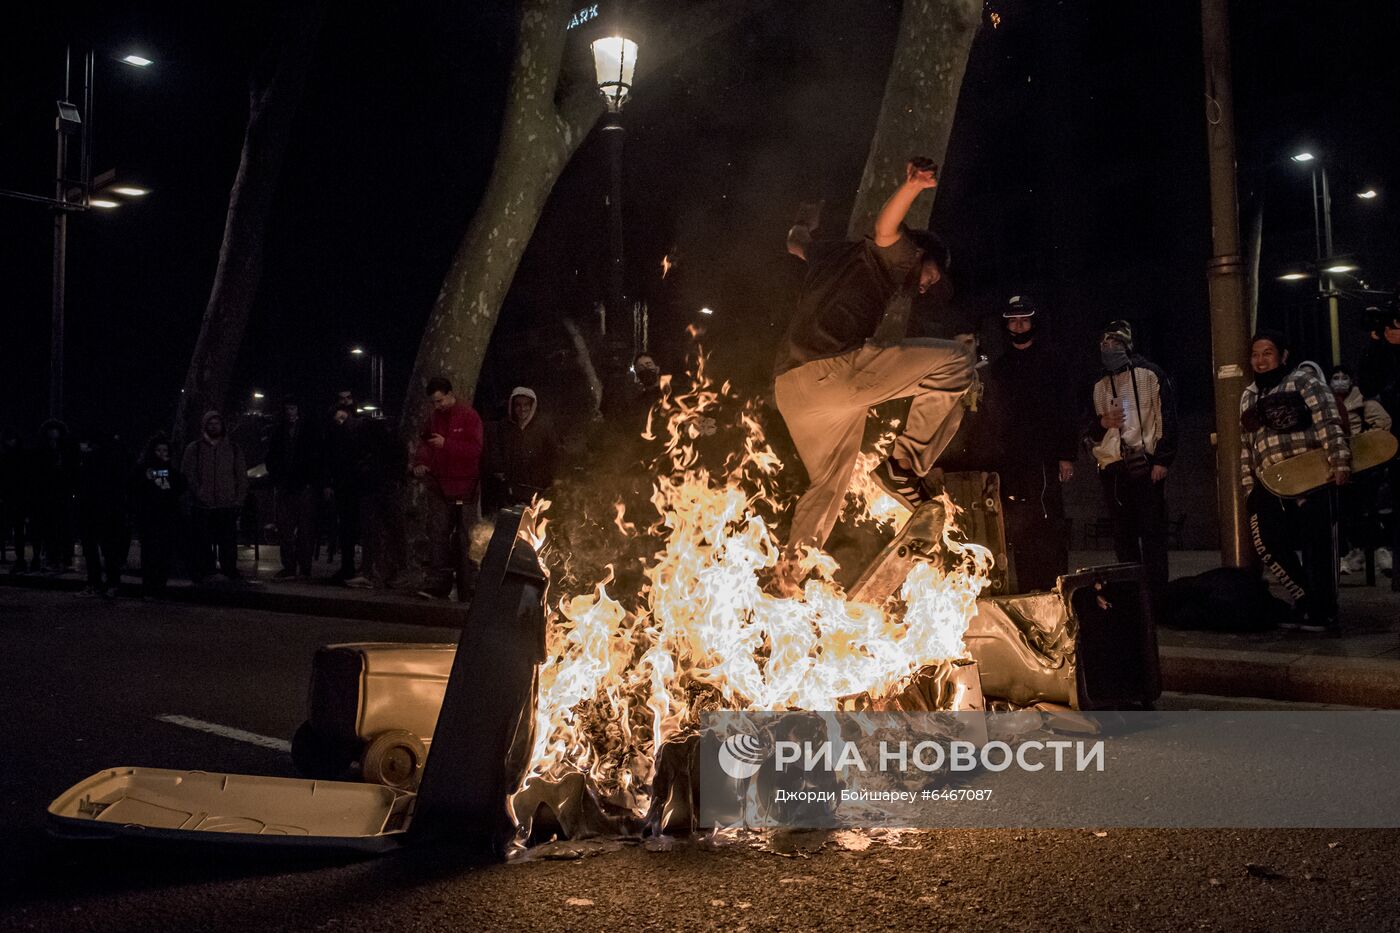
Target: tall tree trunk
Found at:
539, 136
921, 98
537, 140
275, 91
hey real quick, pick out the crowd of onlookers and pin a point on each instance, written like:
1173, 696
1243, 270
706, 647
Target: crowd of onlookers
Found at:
1027, 431
331, 481
63, 493
335, 478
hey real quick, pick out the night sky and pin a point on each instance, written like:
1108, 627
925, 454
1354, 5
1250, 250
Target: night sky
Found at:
1076, 172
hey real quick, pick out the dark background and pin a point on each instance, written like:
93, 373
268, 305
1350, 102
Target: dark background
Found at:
1076, 172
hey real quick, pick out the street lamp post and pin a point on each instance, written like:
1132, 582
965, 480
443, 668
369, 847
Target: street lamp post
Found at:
615, 60
1225, 283
376, 375
71, 195
1323, 245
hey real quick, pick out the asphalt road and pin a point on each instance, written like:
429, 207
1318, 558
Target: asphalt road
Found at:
85, 680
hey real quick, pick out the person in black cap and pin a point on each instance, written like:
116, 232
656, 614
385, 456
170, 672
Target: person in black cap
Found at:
1029, 425
1133, 434
832, 367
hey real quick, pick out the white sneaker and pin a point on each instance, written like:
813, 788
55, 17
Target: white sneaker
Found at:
1354, 561
1384, 560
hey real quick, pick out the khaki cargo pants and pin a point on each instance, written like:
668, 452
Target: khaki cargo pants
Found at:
825, 402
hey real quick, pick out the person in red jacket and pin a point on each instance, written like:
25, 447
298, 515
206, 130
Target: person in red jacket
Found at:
450, 453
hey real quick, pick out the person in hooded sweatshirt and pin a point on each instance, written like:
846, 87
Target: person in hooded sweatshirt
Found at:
156, 488
1133, 434
521, 453
1286, 412
214, 468
1029, 420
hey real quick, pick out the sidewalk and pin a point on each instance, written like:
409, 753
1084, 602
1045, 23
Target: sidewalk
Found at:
1361, 667
317, 596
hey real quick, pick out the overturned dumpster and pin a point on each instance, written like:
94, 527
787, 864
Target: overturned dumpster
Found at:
480, 743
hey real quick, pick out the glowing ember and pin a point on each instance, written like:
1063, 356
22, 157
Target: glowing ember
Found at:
624, 676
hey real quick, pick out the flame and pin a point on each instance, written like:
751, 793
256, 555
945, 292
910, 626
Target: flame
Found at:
666, 265
625, 675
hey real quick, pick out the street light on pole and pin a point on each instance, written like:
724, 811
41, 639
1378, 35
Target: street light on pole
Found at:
615, 61
70, 195
1327, 260
376, 377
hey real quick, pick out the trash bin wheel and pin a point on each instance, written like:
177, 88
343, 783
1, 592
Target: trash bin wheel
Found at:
319, 756
394, 759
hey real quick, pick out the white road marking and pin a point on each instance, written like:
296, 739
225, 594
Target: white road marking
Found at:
228, 732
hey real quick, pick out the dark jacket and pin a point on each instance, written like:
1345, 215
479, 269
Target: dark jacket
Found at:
1379, 374
522, 461
53, 464
1029, 418
295, 456
379, 458
342, 454
102, 480
156, 488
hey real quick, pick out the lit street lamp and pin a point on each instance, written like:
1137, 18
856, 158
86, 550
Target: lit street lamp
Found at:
615, 61
1327, 261
73, 195
376, 377
1322, 233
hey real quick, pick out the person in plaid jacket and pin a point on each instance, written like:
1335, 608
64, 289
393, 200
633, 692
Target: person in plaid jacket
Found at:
1284, 413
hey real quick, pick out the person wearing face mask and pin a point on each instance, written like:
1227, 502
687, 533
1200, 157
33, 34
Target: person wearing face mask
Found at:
845, 350
1027, 420
1379, 379
1358, 414
1133, 433
1283, 413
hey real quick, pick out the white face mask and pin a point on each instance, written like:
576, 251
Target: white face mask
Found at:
1341, 384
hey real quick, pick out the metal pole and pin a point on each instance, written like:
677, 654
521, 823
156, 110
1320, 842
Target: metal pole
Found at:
60, 259
1317, 221
60, 254
85, 156
1226, 280
616, 137
1333, 315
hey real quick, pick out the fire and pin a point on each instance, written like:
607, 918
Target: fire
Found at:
624, 676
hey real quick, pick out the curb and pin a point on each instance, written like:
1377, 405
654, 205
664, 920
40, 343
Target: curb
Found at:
1301, 678
401, 610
